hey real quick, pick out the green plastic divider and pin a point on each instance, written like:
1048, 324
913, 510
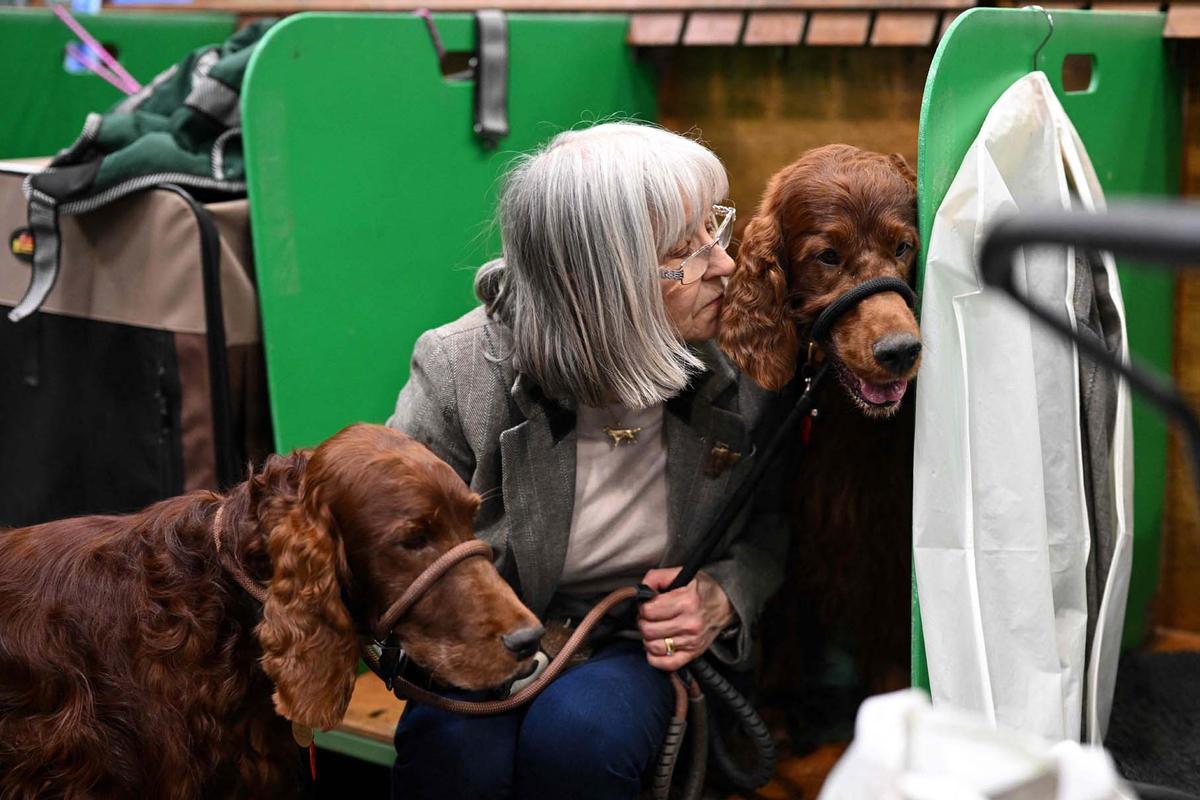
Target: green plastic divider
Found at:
45, 106
1130, 119
371, 198
360, 747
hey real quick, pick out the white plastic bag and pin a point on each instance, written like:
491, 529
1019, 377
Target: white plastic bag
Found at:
1000, 523
905, 750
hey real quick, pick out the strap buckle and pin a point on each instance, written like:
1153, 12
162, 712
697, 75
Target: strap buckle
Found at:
808, 370
392, 660
491, 76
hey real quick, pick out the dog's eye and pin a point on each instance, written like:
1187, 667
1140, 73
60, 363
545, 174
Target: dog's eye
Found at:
416, 540
829, 258
902, 249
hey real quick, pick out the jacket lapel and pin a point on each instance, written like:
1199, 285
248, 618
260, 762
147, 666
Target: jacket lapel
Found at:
695, 426
538, 462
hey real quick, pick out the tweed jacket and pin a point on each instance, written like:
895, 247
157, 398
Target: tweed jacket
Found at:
516, 448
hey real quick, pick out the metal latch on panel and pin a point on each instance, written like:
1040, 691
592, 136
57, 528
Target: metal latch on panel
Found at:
491, 76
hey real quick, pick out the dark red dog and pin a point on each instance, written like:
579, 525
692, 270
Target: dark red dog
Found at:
835, 218
133, 665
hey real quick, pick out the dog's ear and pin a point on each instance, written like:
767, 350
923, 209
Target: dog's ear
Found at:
273, 488
757, 332
309, 643
904, 169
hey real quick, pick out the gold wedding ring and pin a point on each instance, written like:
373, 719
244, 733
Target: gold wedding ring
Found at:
670, 643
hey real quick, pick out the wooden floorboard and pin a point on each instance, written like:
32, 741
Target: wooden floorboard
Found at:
373, 710
799, 777
1168, 640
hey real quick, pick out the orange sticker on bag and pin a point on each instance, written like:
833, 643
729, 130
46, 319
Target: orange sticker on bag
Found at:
20, 244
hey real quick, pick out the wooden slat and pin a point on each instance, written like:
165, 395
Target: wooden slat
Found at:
1170, 640
838, 28
798, 777
1183, 22
759, 112
713, 28
1177, 603
904, 28
279, 7
373, 711
774, 28
653, 30
1125, 7
947, 19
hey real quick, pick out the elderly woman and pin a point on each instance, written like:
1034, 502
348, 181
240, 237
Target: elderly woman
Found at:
587, 404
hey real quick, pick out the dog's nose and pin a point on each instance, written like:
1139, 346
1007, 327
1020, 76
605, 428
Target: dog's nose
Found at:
523, 642
897, 353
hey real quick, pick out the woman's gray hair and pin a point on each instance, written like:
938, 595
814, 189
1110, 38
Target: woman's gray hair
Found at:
585, 222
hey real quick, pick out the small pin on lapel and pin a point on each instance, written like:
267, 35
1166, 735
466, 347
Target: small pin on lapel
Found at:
720, 458
620, 436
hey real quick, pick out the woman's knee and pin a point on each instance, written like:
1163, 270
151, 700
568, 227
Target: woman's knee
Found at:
601, 742
562, 726
440, 754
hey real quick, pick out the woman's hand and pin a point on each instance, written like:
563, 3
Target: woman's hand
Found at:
691, 617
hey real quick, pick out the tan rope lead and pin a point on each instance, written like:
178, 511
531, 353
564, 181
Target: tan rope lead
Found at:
486, 707
253, 588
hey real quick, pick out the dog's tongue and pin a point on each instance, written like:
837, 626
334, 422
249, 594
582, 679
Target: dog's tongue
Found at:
883, 393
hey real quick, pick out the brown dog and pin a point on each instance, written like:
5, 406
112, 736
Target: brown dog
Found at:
133, 665
837, 217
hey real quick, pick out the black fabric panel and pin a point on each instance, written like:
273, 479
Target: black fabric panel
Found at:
1155, 717
229, 466
98, 431
65, 183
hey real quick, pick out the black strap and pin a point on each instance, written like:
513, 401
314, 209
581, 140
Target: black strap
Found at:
775, 436
491, 76
835, 310
43, 225
220, 397
30, 337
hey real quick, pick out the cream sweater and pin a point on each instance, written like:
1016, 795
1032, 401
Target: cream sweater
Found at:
619, 523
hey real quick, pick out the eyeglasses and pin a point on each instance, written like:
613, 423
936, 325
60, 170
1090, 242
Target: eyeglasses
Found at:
693, 267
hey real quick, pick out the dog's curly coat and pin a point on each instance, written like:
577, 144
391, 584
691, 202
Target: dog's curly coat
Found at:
132, 664
833, 219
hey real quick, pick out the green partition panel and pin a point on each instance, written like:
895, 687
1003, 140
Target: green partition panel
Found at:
44, 106
357, 746
1130, 120
372, 201
371, 198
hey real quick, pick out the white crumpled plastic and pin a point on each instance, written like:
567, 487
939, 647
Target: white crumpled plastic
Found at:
904, 749
1000, 525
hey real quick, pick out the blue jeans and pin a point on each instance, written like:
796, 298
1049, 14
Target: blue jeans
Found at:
591, 734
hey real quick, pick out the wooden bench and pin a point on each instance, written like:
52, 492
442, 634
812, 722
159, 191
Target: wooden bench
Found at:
366, 732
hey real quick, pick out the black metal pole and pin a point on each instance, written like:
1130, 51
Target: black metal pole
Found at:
1166, 234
